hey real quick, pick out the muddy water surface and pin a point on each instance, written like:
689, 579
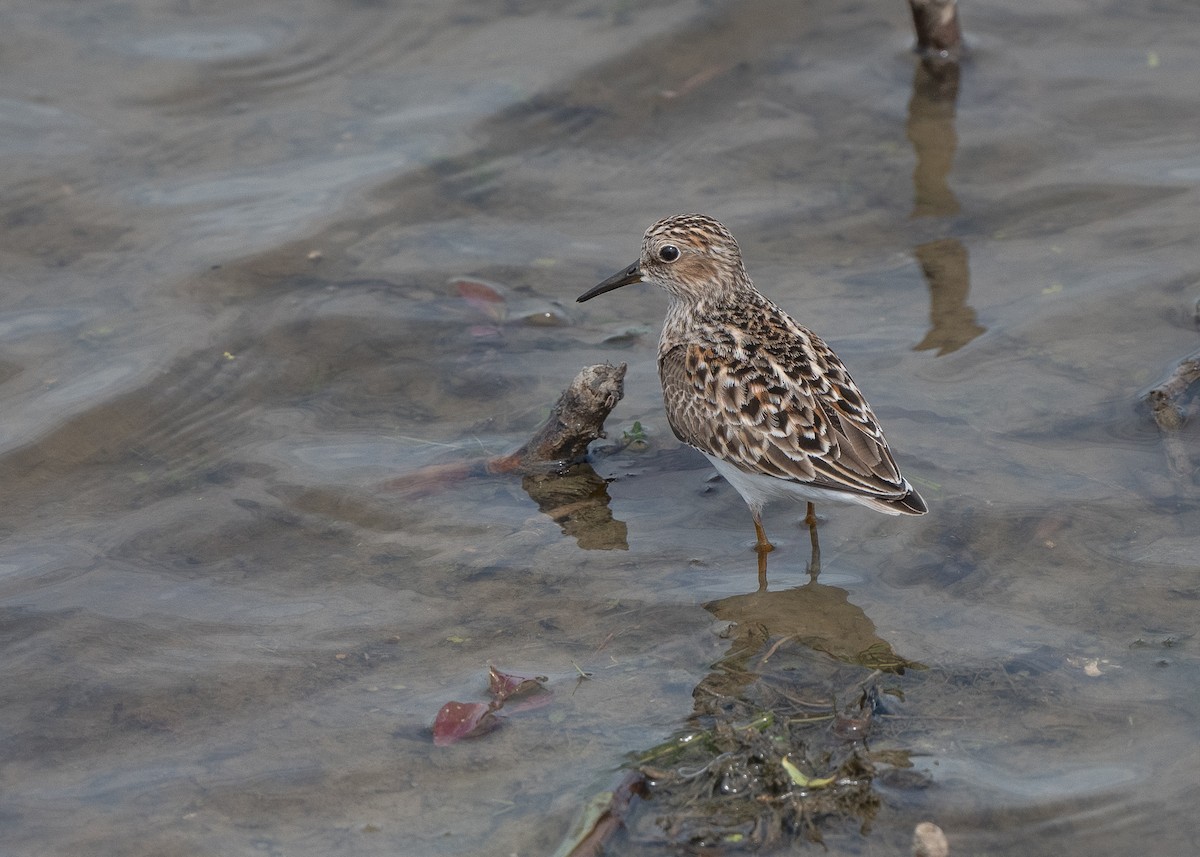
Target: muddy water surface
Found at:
241, 569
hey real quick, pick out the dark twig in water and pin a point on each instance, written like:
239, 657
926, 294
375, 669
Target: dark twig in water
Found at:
1164, 399
602, 817
576, 420
939, 35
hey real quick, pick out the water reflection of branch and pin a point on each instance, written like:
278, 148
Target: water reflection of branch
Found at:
952, 320
930, 129
577, 500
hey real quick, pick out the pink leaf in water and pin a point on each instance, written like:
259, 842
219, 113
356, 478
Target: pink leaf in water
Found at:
458, 720
504, 685
529, 701
483, 297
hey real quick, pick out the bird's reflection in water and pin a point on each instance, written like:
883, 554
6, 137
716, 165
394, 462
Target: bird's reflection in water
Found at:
781, 742
814, 561
815, 615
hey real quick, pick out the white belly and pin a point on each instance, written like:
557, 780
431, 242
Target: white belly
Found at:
757, 489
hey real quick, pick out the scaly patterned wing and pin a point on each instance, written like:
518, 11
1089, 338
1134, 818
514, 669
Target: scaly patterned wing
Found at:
790, 411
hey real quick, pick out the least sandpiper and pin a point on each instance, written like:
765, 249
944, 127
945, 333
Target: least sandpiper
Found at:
764, 398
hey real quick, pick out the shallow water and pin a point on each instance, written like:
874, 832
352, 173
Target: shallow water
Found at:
241, 570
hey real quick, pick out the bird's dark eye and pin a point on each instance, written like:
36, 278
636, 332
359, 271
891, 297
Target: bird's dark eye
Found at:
668, 253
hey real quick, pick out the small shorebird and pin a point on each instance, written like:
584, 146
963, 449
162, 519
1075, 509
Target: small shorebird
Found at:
764, 398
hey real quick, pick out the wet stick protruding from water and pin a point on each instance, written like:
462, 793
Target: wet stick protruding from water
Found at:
556, 476
1168, 406
576, 420
1164, 399
938, 32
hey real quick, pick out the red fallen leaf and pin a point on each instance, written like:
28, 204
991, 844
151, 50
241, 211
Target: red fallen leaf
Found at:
503, 686
458, 720
482, 296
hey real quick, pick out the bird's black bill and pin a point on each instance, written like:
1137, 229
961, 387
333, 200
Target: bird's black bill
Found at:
632, 274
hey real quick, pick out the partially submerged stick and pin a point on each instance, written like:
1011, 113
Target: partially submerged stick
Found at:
939, 35
1164, 399
576, 420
